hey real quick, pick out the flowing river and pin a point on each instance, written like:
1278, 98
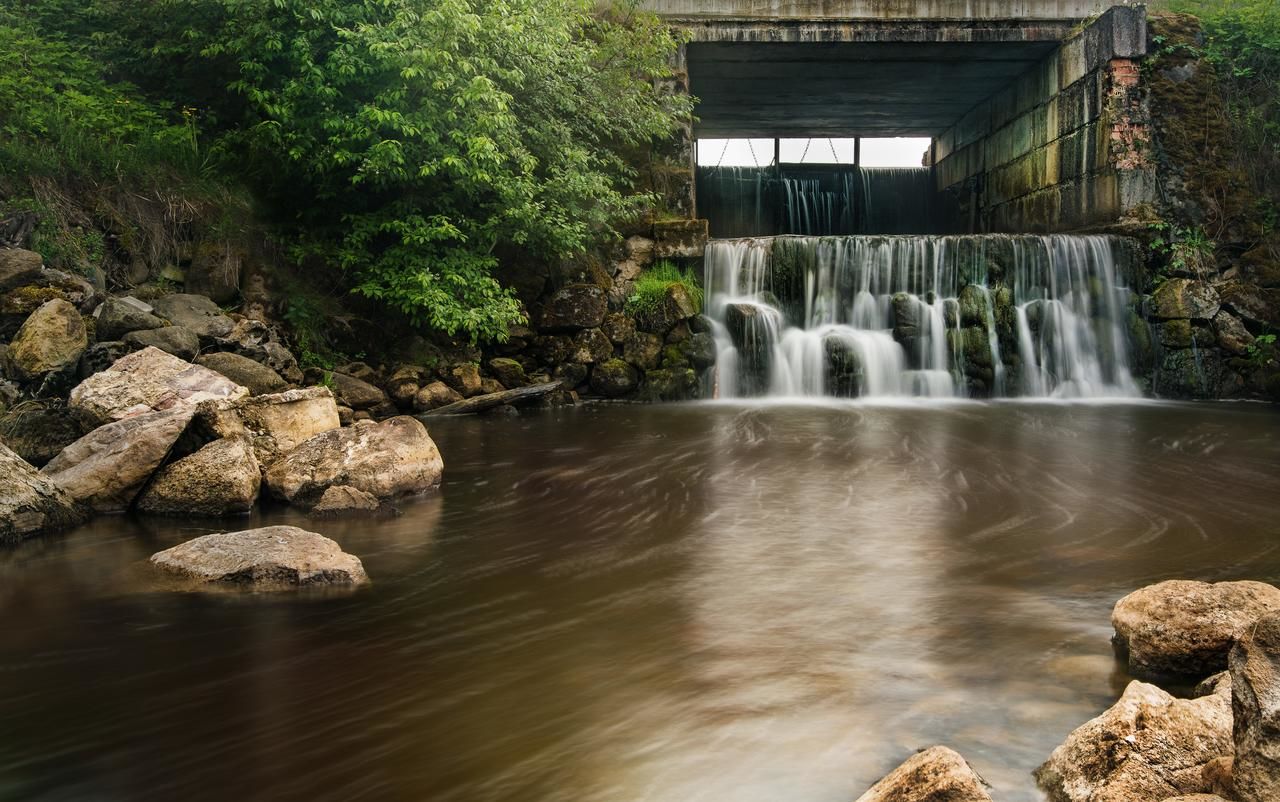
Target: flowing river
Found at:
710, 602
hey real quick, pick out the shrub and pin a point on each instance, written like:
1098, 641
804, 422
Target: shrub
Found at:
652, 285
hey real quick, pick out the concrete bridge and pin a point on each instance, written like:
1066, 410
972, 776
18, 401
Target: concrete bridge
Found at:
1035, 106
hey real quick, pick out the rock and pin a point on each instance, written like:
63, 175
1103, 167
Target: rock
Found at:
1148, 747
38, 434
147, 381
489, 386
1196, 798
670, 384
274, 423
214, 272
359, 370
639, 249
1255, 682
18, 267
405, 383
107, 468
269, 558
618, 327
1254, 305
591, 346
574, 307
389, 459
254, 339
99, 357
972, 306
508, 371
680, 239
194, 312
222, 478
343, 500
464, 378
435, 394
552, 350
1174, 333
614, 378
51, 340
1183, 628
1218, 777
30, 503
356, 393
119, 316
754, 329
643, 350
260, 379
674, 307
937, 774
1182, 298
176, 340
1233, 337
700, 350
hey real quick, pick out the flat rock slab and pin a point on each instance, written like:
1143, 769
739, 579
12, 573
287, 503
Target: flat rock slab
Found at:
1182, 628
272, 558
480, 403
147, 381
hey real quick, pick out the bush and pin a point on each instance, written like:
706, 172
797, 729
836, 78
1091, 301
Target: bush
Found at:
652, 285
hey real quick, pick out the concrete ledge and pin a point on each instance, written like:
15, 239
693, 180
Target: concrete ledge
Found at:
880, 9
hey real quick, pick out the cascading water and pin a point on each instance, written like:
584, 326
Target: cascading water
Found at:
873, 316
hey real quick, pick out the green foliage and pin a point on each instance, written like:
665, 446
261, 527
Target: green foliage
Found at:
407, 142
652, 285
1186, 248
1261, 349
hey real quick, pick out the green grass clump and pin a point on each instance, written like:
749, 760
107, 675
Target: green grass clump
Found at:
651, 288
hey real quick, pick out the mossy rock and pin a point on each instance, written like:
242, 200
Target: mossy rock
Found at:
614, 378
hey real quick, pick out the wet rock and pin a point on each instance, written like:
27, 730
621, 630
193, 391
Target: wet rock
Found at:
754, 330
489, 386
51, 340
674, 307
1255, 681
574, 307
699, 350
260, 379
552, 350
343, 500
973, 306
271, 558
30, 503
618, 327
906, 318
1232, 336
614, 378
571, 374
176, 340
386, 460
1148, 747
1254, 305
435, 395
38, 434
643, 350
274, 424
18, 267
844, 368
1182, 628
937, 774
119, 316
670, 384
1195, 373
107, 468
355, 393
147, 381
464, 378
1175, 333
223, 478
1181, 298
591, 346
509, 372
195, 312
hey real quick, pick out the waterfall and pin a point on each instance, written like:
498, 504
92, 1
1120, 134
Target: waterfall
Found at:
928, 316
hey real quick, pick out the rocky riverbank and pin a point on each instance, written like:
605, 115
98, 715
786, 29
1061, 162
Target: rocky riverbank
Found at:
1221, 744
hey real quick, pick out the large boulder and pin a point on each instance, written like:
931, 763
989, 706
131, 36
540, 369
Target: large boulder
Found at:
38, 434
591, 346
464, 378
51, 340
1255, 682
614, 379
356, 393
1148, 747
574, 307
937, 774
1182, 628
18, 267
147, 381
275, 424
178, 341
275, 557
222, 478
119, 316
30, 503
194, 312
642, 349
260, 379
107, 468
1254, 305
508, 371
435, 395
1182, 298
389, 459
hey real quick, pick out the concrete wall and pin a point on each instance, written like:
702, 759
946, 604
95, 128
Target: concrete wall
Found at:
1066, 147
881, 9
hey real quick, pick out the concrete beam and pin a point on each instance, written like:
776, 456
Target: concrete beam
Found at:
881, 9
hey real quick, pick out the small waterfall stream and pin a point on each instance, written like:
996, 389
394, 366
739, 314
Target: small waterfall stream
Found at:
928, 316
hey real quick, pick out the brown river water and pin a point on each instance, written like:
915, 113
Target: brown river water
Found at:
616, 603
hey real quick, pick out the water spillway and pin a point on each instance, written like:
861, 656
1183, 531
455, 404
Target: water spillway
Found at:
927, 316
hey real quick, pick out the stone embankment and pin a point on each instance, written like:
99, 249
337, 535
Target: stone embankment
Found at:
1222, 744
